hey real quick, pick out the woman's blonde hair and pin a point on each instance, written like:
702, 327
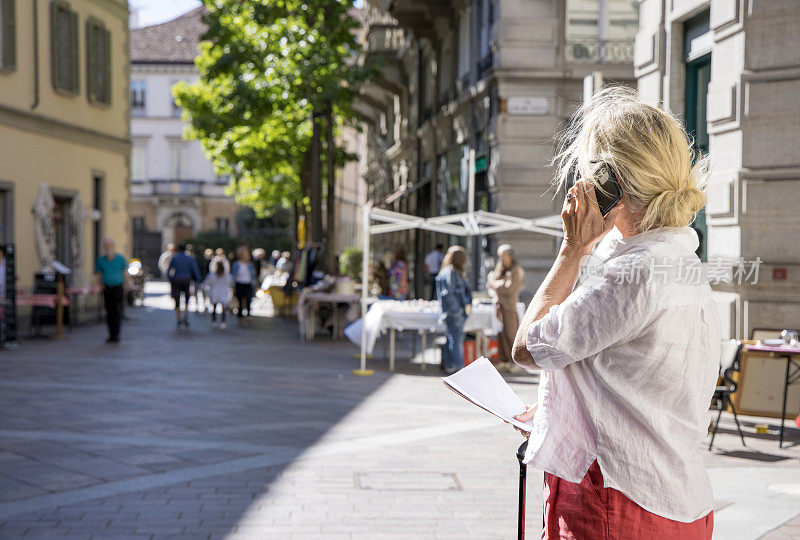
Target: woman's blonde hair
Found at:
647, 147
456, 257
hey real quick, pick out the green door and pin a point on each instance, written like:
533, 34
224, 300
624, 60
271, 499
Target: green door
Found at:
698, 73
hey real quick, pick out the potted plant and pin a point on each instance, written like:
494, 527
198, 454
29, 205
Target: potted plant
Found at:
350, 266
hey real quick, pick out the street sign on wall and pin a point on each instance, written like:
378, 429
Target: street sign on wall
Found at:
527, 105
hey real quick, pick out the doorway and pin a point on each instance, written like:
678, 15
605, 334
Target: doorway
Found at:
698, 75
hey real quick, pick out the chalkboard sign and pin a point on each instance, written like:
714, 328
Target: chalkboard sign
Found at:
47, 284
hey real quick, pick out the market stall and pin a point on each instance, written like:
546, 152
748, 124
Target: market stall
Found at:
418, 315
470, 223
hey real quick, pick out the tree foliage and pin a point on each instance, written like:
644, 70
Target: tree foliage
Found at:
264, 67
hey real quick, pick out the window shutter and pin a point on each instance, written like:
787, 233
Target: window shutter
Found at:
76, 84
90, 63
54, 44
9, 35
107, 67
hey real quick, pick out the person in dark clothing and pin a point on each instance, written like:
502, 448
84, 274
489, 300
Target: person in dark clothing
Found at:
182, 271
203, 264
111, 273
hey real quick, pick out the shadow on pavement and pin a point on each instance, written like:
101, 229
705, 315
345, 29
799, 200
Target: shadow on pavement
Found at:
167, 432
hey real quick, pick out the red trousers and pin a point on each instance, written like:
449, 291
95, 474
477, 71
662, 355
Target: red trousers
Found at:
589, 511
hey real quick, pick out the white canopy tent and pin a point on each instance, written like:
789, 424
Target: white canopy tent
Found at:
470, 223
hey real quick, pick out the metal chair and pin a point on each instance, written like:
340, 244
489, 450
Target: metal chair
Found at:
729, 363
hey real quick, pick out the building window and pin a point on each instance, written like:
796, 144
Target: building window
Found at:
484, 26
64, 47
6, 216
8, 36
138, 223
445, 71
224, 225
139, 160
463, 44
601, 31
98, 62
138, 96
178, 160
176, 111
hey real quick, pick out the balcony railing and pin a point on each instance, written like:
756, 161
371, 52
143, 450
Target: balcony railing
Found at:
385, 39
617, 51
177, 188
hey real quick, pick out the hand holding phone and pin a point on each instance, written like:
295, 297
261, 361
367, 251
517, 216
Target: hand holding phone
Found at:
607, 187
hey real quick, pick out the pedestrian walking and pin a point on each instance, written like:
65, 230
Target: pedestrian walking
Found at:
111, 274
398, 275
381, 276
244, 276
454, 295
433, 263
218, 286
204, 265
259, 263
629, 358
284, 263
274, 257
504, 284
164, 259
182, 272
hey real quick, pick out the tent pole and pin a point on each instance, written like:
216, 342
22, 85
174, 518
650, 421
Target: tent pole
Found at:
471, 187
365, 258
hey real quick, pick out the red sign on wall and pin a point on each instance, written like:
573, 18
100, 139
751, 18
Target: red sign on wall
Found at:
778, 273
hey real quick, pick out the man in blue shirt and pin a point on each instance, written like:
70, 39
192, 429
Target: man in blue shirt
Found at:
110, 271
182, 271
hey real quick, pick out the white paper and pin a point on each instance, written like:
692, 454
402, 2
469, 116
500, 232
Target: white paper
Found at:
481, 384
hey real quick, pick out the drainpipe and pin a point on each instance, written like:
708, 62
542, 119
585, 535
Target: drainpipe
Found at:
35, 54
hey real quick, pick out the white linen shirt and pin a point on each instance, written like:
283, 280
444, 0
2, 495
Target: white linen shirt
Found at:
629, 365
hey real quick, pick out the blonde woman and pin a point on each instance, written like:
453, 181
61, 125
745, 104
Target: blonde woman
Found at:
629, 358
504, 284
454, 295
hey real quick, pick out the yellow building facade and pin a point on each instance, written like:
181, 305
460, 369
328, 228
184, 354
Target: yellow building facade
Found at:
64, 111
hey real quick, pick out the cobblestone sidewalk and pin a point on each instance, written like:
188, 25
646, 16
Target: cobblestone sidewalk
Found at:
251, 433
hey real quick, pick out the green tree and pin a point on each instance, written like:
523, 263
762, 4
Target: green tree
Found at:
270, 72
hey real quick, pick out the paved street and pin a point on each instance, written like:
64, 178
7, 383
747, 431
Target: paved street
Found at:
251, 433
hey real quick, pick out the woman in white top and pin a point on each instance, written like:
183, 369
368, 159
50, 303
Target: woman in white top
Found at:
218, 285
629, 358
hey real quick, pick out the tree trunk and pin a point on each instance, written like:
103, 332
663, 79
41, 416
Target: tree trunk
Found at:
316, 182
331, 248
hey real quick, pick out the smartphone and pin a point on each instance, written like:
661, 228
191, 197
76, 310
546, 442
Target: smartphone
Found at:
609, 192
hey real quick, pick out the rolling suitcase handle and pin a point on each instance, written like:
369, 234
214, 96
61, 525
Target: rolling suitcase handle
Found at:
523, 472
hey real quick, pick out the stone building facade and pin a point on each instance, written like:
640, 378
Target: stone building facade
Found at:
174, 192
496, 76
64, 123
731, 69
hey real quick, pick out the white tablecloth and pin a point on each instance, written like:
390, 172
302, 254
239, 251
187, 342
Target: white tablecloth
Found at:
412, 315
324, 297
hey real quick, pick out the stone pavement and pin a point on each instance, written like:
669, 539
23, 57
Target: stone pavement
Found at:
251, 433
